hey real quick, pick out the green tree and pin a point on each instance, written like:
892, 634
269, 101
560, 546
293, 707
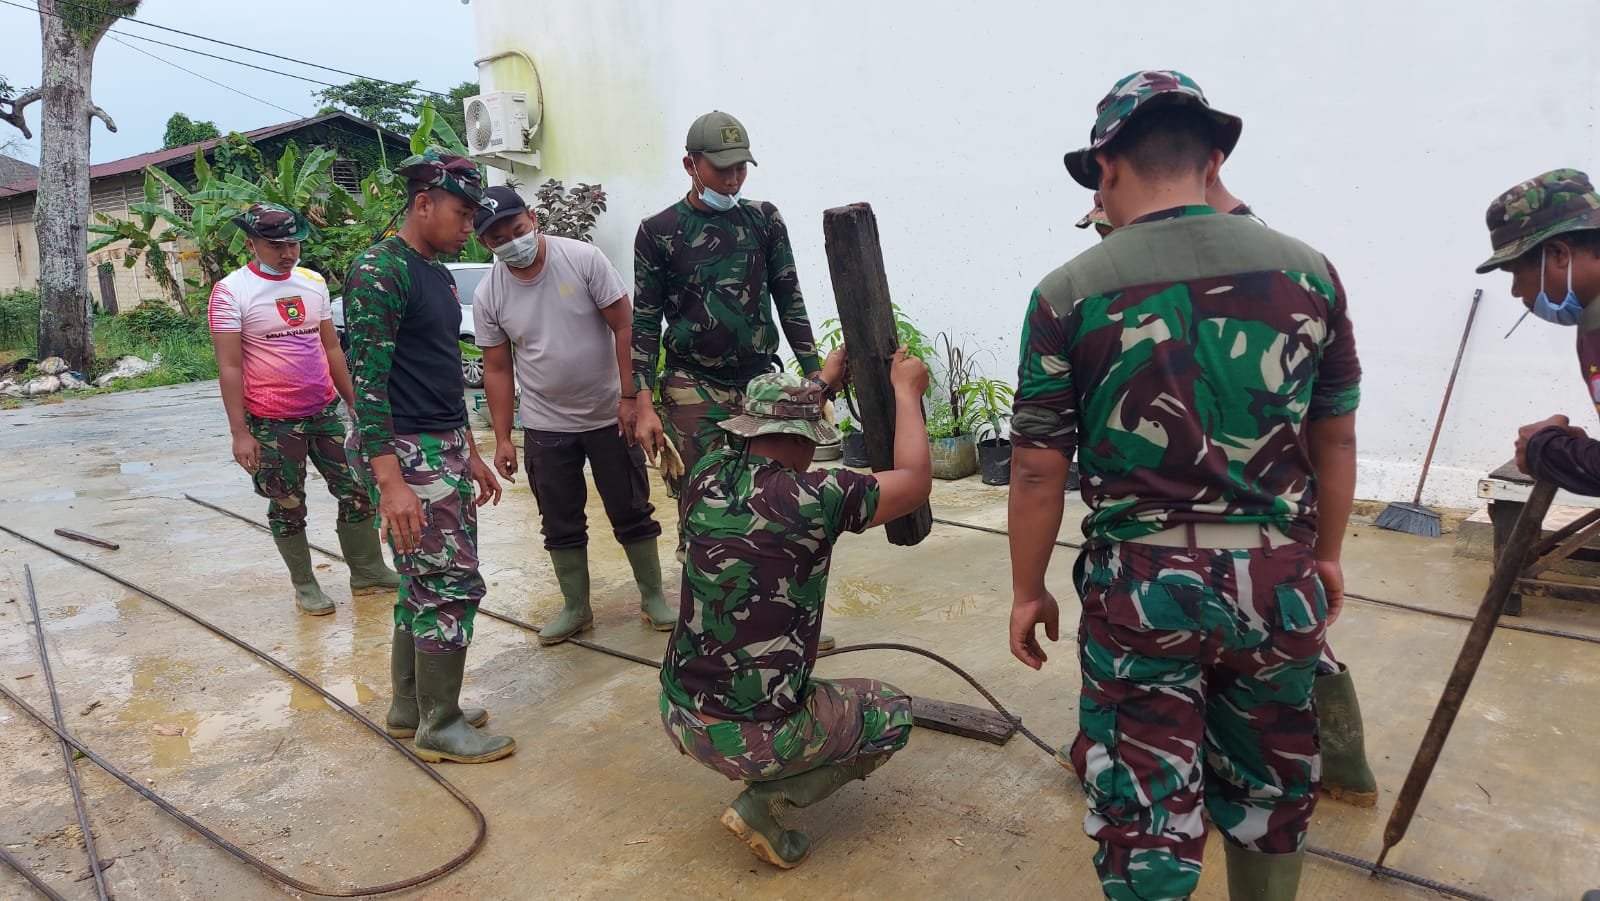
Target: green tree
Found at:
182, 130
452, 110
394, 106
70, 33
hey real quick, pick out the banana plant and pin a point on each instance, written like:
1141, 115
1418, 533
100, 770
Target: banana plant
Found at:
145, 236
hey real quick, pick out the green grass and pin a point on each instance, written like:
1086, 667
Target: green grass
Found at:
184, 342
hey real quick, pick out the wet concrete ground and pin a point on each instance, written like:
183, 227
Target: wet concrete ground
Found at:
596, 803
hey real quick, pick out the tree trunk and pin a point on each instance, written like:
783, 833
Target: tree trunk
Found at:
61, 213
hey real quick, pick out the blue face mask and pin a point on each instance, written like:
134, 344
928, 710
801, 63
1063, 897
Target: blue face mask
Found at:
268, 270
1565, 313
719, 202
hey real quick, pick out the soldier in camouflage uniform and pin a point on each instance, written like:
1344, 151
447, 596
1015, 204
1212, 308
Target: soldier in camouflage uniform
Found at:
1203, 367
281, 374
1346, 775
412, 443
737, 693
1546, 230
713, 265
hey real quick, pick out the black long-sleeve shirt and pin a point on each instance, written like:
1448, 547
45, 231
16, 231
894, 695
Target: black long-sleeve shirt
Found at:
1572, 463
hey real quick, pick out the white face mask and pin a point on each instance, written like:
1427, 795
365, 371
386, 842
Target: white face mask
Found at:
519, 253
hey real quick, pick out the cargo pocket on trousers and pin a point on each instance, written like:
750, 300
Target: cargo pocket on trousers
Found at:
1302, 620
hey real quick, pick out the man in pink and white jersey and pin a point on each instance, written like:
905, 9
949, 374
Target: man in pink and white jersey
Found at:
282, 375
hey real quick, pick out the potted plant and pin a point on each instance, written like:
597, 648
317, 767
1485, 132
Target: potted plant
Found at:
954, 447
985, 402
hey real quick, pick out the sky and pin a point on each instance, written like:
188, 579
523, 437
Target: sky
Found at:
395, 40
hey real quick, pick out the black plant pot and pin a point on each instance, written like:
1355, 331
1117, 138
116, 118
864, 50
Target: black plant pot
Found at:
994, 461
855, 450
1072, 476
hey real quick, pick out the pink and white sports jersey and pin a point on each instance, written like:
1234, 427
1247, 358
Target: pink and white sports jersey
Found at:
279, 321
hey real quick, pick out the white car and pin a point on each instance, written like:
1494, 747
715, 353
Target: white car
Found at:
467, 276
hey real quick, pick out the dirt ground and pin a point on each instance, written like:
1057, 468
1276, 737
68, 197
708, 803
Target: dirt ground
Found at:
596, 803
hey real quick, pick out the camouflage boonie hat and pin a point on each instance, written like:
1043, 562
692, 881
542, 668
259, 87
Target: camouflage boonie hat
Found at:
1096, 216
1559, 201
721, 138
456, 174
782, 403
1145, 90
273, 223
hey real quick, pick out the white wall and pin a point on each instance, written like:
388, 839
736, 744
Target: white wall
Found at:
1377, 131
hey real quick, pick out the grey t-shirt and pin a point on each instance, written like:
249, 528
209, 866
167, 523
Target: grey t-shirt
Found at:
566, 355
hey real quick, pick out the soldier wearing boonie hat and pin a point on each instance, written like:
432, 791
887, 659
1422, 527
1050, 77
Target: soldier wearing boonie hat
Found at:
412, 444
1346, 774
282, 375
737, 693
1546, 233
1209, 509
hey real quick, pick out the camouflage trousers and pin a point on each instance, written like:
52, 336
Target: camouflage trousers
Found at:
286, 445
440, 587
1197, 683
843, 721
691, 410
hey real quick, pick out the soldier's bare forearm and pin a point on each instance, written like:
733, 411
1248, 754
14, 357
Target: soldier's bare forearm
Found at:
1332, 446
1034, 509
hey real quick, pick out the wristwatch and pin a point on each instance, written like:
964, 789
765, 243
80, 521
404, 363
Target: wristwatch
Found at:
827, 390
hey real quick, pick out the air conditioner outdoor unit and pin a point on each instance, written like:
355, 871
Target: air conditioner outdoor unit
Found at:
497, 122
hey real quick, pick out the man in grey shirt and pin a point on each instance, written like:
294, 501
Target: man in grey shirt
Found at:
557, 311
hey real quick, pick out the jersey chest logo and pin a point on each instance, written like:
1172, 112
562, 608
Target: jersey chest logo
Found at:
292, 309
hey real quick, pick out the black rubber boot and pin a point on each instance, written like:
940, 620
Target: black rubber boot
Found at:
1253, 876
403, 717
444, 733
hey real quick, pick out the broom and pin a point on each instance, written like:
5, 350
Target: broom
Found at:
1413, 518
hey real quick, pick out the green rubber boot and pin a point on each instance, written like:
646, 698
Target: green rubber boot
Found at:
1345, 774
403, 716
364, 555
753, 816
444, 733
646, 562
572, 574
1253, 876
296, 552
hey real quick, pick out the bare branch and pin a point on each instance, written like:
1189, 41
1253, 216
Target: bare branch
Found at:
96, 112
14, 114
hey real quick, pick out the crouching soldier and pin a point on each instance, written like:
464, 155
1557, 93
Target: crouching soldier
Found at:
282, 375
759, 529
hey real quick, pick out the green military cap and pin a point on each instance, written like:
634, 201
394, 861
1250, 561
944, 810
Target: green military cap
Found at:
1557, 202
272, 222
441, 169
1143, 91
782, 403
721, 138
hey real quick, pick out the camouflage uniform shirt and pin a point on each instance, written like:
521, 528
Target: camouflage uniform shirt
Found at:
1182, 358
760, 537
711, 275
403, 319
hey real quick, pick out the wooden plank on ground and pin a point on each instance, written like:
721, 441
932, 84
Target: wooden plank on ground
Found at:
866, 315
964, 720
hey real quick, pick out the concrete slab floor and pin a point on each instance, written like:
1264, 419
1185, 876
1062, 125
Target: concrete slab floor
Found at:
595, 803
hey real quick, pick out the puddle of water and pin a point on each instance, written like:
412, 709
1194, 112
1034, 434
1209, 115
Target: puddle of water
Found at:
134, 467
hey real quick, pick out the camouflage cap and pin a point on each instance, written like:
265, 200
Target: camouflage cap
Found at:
1559, 201
1143, 91
782, 403
440, 169
1096, 216
273, 223
721, 138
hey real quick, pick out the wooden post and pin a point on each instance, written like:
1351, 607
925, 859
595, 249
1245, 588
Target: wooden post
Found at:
866, 314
